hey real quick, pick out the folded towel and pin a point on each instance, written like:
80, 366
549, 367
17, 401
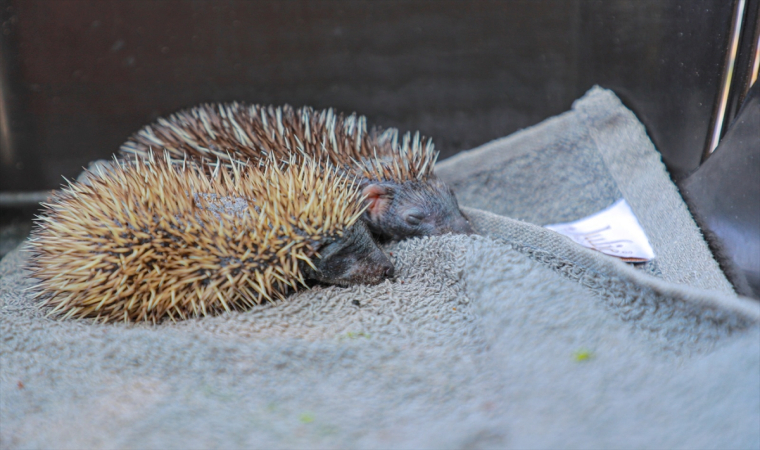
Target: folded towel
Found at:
578, 163
517, 338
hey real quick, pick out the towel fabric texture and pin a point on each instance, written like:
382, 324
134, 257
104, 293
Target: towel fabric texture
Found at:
516, 338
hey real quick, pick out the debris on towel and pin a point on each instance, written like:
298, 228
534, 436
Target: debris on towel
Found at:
583, 355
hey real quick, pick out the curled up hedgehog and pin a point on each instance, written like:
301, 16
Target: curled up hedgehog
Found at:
404, 198
151, 239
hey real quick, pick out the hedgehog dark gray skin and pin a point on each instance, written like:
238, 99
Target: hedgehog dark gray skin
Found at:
152, 239
354, 258
400, 210
404, 198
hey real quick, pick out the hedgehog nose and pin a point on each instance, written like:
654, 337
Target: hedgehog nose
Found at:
389, 270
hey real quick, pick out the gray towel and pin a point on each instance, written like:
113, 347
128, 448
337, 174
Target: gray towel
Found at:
581, 162
516, 339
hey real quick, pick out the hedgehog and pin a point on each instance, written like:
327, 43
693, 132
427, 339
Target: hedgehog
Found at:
154, 238
404, 198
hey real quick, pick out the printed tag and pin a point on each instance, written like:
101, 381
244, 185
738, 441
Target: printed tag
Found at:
614, 231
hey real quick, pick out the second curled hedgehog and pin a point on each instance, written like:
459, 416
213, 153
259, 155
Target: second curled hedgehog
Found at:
404, 197
150, 239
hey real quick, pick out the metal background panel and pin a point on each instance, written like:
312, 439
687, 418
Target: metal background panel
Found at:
79, 76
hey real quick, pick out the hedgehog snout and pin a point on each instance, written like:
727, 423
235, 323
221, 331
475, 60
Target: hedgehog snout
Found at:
375, 269
460, 225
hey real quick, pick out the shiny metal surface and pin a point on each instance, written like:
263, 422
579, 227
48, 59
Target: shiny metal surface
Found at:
754, 50
745, 60
81, 75
737, 22
755, 62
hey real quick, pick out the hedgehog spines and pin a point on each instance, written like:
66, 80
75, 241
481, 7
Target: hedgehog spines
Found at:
139, 243
254, 131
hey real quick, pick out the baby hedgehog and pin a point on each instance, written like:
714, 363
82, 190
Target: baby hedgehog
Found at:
404, 197
151, 239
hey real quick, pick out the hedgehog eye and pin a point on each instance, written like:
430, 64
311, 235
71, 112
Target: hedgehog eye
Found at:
414, 218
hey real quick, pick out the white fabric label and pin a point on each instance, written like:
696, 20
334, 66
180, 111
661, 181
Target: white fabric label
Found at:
614, 231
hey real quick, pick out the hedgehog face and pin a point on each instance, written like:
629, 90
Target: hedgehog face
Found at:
353, 258
414, 208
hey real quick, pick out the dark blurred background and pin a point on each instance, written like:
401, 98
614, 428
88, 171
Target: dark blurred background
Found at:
79, 76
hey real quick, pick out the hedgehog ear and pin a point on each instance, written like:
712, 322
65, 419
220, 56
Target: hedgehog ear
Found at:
378, 197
